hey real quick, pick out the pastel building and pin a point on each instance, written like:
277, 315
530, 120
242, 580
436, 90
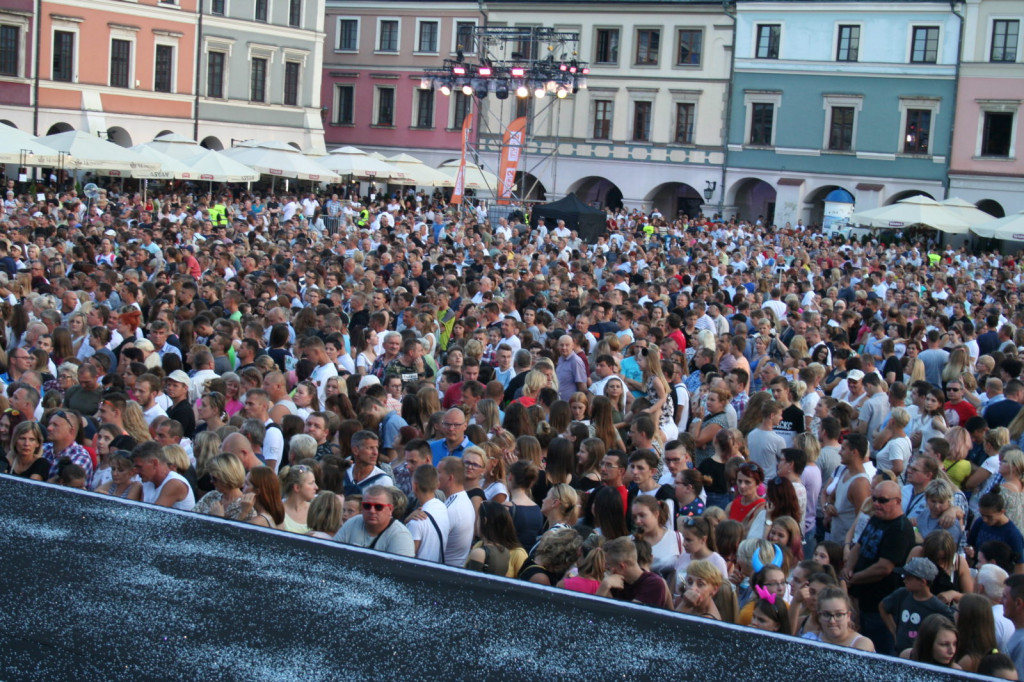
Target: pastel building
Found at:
988, 145
828, 98
17, 41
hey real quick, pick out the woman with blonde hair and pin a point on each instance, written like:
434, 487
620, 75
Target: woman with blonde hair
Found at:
1011, 468
701, 585
225, 500
487, 416
535, 382
560, 506
494, 472
958, 364
324, 517
957, 466
656, 389
135, 423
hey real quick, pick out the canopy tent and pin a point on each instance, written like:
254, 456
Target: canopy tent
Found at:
21, 148
88, 152
475, 178
1010, 228
280, 160
176, 146
213, 166
916, 210
418, 173
169, 168
589, 222
349, 161
965, 210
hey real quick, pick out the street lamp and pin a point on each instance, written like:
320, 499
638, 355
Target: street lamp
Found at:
709, 190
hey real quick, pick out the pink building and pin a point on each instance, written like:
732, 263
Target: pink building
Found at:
17, 44
373, 59
987, 163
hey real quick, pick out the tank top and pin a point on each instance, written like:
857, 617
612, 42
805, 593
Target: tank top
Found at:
151, 493
846, 513
293, 526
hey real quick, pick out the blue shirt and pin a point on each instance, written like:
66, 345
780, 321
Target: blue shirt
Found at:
439, 449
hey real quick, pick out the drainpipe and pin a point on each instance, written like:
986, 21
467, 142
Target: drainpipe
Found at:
956, 90
199, 62
728, 110
35, 84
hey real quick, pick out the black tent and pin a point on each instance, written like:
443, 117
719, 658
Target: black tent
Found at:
588, 222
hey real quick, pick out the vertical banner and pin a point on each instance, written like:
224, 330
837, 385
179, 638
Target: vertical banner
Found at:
460, 177
511, 146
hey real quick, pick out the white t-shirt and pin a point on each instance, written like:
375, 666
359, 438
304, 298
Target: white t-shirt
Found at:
424, 531
273, 445
320, 376
154, 412
897, 449
461, 522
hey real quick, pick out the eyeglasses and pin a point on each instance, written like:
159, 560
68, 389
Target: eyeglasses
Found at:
473, 465
950, 389
449, 425
375, 506
838, 615
882, 500
302, 468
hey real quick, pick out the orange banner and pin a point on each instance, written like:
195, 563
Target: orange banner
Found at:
511, 146
460, 177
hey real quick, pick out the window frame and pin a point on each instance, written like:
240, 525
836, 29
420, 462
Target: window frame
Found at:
608, 105
253, 59
992, 106
986, 119
638, 106
466, 49
338, 109
831, 102
15, 50
769, 97
422, 95
778, 41
679, 45
223, 8
914, 29
992, 41
297, 83
677, 120
378, 92
339, 21
223, 73
461, 105
420, 23
907, 105
651, 31
73, 57
261, 7
295, 13
839, 42
172, 70
129, 67
377, 44
598, 31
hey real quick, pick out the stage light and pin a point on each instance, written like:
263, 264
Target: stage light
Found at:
522, 91
585, 71
426, 84
484, 71
539, 92
563, 67
480, 88
467, 89
501, 90
446, 88
459, 70
562, 92
518, 72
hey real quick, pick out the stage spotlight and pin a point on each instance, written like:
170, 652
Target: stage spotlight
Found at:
539, 92
480, 88
518, 72
522, 91
446, 88
459, 70
562, 92
484, 71
467, 89
501, 90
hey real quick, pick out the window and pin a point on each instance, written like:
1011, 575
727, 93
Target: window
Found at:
762, 116
464, 36
217, 7
647, 43
9, 50
164, 68
642, 121
388, 36
344, 108
925, 46
602, 119
523, 108
425, 108
385, 107
258, 80
348, 35
849, 44
997, 134
291, 83
63, 56
691, 41
840, 133
295, 12
684, 122
261, 10
768, 36
918, 130
120, 63
461, 108
607, 51
215, 75
526, 46
1005, 33
427, 37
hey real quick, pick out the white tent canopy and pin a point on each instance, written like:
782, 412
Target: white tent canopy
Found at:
916, 210
965, 210
475, 177
213, 166
21, 148
1010, 228
349, 161
281, 160
176, 146
418, 173
88, 152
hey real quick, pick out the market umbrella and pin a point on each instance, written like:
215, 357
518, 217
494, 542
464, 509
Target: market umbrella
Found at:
21, 148
175, 145
1010, 228
916, 210
967, 211
280, 160
418, 173
215, 167
349, 161
475, 177
88, 152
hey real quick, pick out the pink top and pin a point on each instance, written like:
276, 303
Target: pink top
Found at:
580, 584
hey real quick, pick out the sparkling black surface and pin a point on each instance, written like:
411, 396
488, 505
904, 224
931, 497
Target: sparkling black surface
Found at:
99, 589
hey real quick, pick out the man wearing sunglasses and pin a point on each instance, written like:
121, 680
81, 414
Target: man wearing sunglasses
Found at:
871, 567
376, 528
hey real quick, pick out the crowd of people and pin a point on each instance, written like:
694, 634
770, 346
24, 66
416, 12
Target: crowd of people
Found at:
738, 421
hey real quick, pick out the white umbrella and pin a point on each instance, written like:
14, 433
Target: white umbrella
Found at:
475, 177
169, 168
281, 160
355, 162
175, 145
916, 210
418, 173
213, 166
965, 210
88, 152
1010, 228
21, 148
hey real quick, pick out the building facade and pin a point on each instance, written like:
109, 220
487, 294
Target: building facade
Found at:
857, 96
988, 151
17, 45
374, 56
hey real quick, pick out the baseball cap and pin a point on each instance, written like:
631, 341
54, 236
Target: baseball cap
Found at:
855, 375
180, 377
367, 381
922, 568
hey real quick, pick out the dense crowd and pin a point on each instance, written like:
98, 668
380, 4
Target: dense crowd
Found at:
744, 422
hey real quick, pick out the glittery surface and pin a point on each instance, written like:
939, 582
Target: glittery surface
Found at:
102, 589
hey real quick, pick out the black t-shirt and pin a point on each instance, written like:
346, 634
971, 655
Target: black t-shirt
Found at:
890, 540
892, 364
184, 415
40, 468
792, 423
716, 472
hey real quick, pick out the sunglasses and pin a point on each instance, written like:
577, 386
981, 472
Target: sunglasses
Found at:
64, 415
375, 506
882, 500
